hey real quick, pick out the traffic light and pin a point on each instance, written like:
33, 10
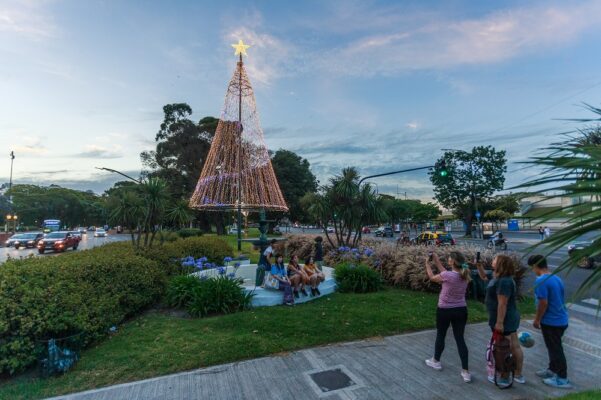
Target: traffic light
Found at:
441, 169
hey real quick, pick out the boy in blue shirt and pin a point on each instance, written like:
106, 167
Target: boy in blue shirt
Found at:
552, 319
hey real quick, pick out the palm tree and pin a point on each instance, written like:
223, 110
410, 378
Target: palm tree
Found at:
127, 210
348, 206
155, 195
179, 214
572, 168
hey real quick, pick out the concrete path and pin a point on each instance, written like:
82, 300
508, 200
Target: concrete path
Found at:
382, 368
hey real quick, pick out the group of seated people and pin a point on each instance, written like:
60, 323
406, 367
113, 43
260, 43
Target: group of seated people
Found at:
294, 278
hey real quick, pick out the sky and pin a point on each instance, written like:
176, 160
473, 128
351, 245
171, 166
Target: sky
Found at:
378, 85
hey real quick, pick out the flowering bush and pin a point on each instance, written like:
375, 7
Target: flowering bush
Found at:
214, 292
404, 266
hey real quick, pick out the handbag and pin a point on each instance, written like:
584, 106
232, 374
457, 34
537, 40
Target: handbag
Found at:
271, 282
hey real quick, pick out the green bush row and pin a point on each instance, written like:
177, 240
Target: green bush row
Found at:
357, 278
204, 297
85, 292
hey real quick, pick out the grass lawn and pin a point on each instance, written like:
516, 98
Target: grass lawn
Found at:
588, 395
157, 344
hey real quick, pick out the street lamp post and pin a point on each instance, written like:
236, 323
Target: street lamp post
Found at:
10, 182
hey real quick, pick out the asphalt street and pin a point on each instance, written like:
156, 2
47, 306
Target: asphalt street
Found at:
88, 241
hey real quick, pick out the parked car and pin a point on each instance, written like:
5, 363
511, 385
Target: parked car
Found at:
58, 241
329, 229
100, 233
27, 240
428, 238
365, 229
384, 231
445, 239
584, 261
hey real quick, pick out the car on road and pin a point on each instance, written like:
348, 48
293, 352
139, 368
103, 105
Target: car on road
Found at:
384, 231
584, 261
58, 242
428, 238
329, 229
82, 230
77, 234
365, 229
99, 232
27, 240
445, 239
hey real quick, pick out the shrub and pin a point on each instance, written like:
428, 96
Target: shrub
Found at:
179, 290
85, 292
167, 236
301, 245
357, 278
404, 266
216, 295
189, 232
213, 248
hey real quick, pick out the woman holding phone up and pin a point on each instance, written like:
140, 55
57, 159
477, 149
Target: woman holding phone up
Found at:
452, 307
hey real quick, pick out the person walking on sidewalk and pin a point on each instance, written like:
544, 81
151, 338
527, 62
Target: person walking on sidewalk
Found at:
452, 307
541, 233
547, 232
503, 314
552, 319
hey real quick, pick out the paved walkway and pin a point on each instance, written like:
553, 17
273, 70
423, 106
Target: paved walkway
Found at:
382, 368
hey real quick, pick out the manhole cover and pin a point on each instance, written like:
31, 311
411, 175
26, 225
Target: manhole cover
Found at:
332, 379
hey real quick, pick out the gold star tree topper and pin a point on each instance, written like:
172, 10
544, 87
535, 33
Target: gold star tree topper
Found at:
240, 48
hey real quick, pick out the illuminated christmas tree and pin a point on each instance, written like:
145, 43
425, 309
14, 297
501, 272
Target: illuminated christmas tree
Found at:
237, 174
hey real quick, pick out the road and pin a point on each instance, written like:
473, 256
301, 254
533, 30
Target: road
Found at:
88, 241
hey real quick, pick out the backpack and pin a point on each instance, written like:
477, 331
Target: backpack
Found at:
499, 359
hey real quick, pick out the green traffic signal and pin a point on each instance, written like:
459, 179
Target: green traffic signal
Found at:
442, 169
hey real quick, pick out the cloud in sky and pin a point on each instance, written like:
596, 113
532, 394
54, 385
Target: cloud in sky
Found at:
94, 151
27, 18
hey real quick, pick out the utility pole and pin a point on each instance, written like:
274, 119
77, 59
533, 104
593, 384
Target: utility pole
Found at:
10, 182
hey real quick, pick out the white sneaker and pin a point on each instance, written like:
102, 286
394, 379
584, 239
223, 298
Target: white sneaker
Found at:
434, 364
519, 379
491, 378
467, 377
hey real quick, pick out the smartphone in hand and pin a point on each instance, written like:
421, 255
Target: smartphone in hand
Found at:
430, 256
477, 256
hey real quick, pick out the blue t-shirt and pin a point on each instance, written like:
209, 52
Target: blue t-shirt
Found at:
550, 288
278, 269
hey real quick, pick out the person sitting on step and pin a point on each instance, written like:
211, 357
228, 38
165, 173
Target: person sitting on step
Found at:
314, 274
298, 278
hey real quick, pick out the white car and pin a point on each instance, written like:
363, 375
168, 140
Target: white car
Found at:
234, 231
329, 229
99, 233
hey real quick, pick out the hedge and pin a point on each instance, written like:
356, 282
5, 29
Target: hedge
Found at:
84, 292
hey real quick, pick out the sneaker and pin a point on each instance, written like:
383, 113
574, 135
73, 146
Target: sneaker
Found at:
304, 292
545, 373
296, 295
288, 303
317, 291
519, 379
467, 377
558, 382
502, 382
491, 379
313, 292
434, 364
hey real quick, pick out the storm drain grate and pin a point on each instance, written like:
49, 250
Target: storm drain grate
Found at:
332, 379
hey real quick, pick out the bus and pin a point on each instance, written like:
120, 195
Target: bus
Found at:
52, 225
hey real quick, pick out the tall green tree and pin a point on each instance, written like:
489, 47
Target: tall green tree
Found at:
347, 206
295, 179
182, 146
472, 177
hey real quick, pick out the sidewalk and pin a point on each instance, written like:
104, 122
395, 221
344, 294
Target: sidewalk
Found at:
381, 368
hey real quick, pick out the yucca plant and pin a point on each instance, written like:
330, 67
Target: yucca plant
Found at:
572, 168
